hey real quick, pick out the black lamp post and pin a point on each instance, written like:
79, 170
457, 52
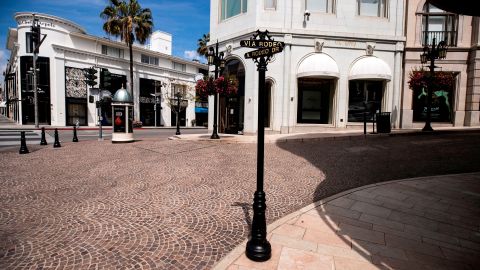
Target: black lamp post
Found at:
436, 51
215, 58
177, 95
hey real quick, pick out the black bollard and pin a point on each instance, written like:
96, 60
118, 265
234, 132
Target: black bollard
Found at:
56, 144
75, 138
43, 141
23, 144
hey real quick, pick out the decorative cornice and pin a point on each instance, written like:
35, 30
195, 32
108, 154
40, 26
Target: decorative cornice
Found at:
115, 59
139, 49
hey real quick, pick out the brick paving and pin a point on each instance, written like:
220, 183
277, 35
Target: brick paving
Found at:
184, 205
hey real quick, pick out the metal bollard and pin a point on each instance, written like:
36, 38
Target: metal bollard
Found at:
56, 144
75, 138
43, 141
23, 144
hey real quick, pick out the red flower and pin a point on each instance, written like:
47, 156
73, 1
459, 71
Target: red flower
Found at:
421, 79
205, 87
210, 86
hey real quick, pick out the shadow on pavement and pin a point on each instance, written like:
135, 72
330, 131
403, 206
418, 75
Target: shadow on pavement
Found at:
357, 161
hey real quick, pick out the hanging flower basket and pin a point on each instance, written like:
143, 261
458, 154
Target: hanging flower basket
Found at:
205, 86
226, 87
420, 79
209, 86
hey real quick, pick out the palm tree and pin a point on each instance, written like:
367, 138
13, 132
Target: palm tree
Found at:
130, 22
202, 44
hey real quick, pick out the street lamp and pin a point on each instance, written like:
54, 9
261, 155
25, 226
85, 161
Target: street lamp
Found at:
215, 58
178, 95
437, 51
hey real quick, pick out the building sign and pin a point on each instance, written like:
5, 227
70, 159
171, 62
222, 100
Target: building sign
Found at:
29, 23
119, 121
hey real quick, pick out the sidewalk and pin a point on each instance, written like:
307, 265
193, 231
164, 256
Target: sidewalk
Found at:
327, 133
420, 223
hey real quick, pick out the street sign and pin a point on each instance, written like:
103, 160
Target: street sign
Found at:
254, 43
263, 52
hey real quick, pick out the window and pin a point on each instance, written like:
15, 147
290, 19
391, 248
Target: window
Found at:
230, 8
440, 25
112, 51
315, 100
29, 42
179, 88
270, 4
364, 97
179, 67
374, 8
319, 5
149, 60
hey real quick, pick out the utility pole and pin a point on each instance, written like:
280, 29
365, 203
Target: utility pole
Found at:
36, 38
36, 41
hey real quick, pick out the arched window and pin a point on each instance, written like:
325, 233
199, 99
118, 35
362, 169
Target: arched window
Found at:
438, 24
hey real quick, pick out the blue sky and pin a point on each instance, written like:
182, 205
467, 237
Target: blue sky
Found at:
186, 20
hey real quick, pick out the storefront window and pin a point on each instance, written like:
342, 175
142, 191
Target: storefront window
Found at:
443, 87
75, 96
43, 86
364, 96
150, 94
315, 100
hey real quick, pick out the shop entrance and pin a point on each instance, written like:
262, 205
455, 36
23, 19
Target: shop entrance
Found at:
315, 100
231, 113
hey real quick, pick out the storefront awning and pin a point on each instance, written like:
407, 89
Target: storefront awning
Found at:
318, 65
201, 110
370, 67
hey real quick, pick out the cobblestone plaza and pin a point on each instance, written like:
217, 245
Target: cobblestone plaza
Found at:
186, 204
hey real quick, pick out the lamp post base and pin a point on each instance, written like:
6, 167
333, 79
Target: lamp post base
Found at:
258, 250
427, 128
215, 136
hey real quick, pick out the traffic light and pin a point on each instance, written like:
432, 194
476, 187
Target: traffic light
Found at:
90, 76
106, 78
36, 36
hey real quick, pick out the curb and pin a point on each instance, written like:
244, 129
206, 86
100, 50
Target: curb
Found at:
325, 136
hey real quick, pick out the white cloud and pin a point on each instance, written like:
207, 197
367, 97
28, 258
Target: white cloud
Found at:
191, 55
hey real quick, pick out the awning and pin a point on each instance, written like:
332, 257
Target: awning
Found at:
370, 67
318, 65
201, 110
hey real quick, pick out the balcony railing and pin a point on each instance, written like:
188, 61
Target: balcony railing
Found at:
450, 37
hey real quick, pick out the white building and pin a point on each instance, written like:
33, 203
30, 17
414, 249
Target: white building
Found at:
340, 58
64, 97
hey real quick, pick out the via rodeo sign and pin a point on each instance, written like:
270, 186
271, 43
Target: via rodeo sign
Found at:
267, 48
258, 248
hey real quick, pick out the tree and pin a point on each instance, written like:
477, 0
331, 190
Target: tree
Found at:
178, 98
202, 45
130, 22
